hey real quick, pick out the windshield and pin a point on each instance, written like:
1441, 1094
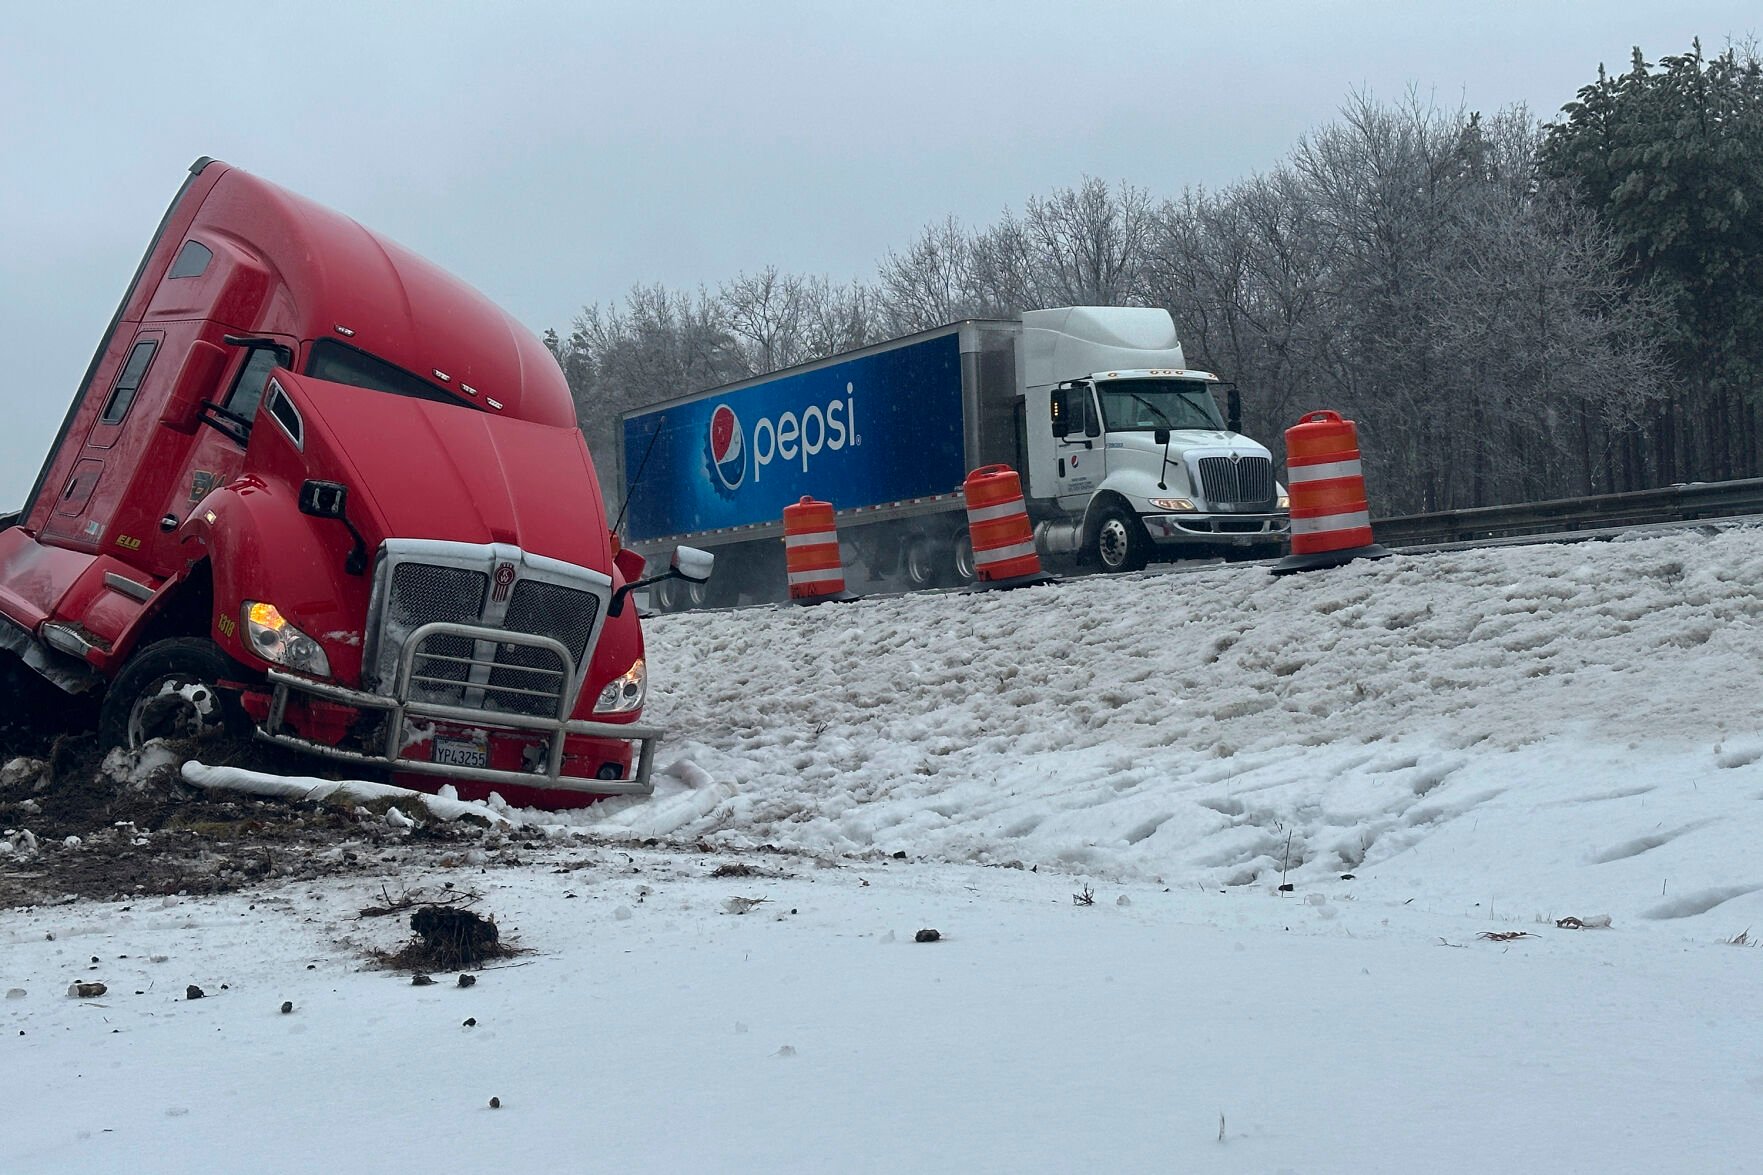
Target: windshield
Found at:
343, 364
1130, 405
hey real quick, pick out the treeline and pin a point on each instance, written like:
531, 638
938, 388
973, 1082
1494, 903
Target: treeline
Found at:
1511, 310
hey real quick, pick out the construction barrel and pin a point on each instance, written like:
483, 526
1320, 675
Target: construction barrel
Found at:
1331, 521
997, 523
811, 552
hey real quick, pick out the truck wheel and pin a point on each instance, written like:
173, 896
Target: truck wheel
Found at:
677, 595
920, 563
170, 689
1121, 542
961, 558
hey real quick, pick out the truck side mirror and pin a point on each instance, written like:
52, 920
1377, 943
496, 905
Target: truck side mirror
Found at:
196, 379
692, 565
688, 563
330, 499
1233, 410
324, 499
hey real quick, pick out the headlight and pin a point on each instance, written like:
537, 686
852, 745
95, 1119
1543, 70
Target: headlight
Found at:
1285, 501
274, 639
623, 694
1171, 503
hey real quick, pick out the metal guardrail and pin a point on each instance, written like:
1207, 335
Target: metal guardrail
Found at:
1678, 503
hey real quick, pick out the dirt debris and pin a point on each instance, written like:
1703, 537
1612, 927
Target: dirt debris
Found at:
77, 823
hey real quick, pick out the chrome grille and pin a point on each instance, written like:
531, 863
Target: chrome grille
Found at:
422, 593
531, 632
516, 678
541, 609
1246, 481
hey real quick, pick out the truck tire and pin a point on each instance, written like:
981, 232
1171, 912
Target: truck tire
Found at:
961, 558
920, 563
171, 689
679, 595
1121, 543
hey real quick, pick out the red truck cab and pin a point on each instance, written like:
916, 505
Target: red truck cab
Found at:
314, 485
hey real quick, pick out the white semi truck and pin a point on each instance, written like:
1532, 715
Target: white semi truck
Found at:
1123, 451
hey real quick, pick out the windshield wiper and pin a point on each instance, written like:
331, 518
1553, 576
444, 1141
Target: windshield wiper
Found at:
1167, 430
1153, 408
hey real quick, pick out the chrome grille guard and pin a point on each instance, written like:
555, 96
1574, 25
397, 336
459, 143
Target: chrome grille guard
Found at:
401, 711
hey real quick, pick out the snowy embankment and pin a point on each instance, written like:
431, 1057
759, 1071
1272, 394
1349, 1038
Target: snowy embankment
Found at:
1546, 729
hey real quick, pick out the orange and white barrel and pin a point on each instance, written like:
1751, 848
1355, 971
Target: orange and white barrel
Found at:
811, 551
997, 523
1331, 521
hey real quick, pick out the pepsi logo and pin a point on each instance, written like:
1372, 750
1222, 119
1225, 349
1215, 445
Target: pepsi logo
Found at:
728, 448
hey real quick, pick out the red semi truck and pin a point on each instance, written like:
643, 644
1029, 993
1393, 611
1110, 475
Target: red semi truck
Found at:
314, 487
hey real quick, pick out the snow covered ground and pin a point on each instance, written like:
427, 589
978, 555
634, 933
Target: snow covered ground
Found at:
1444, 756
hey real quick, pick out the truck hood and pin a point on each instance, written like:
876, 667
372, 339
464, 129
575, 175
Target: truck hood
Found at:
1184, 439
417, 469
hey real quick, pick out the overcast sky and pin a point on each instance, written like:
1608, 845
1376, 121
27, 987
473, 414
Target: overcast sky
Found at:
555, 154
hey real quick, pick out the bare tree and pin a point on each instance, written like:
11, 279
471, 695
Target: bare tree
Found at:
930, 283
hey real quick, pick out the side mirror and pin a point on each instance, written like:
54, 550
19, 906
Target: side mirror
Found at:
330, 499
688, 563
1160, 436
1233, 410
324, 499
196, 379
691, 564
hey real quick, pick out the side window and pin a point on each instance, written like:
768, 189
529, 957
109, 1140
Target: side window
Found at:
192, 260
1083, 412
247, 390
1073, 411
129, 382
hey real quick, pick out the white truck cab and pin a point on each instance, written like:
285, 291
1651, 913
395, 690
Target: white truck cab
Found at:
1126, 443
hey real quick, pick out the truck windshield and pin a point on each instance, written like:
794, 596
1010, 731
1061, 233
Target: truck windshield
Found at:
343, 364
1131, 405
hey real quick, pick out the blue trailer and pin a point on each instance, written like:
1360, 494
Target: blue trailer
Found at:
887, 434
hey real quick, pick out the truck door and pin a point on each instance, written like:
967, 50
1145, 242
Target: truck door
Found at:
71, 524
1077, 451
219, 452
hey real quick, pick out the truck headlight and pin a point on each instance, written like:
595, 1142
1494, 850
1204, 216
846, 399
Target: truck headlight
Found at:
1171, 503
275, 640
625, 693
1285, 501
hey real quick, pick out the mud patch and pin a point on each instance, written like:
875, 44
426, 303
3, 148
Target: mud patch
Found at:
77, 823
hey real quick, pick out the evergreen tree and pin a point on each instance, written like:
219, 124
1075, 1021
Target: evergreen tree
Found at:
1672, 157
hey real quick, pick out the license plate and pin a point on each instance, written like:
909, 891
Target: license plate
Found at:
462, 752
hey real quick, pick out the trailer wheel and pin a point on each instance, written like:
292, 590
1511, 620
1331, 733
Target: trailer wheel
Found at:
171, 689
1121, 543
920, 562
961, 558
677, 595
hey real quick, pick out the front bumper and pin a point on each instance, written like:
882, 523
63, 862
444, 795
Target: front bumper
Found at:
404, 717
1218, 529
